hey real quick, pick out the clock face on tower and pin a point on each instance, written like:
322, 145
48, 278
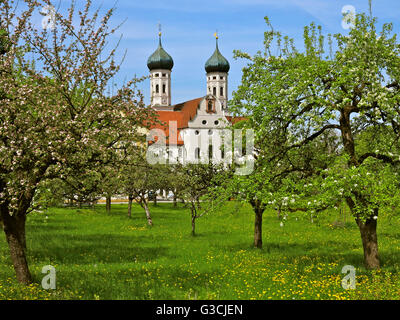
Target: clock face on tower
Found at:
164, 100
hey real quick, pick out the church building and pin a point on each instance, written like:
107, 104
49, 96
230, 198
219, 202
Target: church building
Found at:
198, 123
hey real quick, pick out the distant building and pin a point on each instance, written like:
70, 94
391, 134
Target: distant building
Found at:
199, 122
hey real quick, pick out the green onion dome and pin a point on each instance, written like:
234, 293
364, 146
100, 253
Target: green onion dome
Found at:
217, 62
160, 59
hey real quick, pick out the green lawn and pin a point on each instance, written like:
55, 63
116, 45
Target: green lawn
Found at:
109, 256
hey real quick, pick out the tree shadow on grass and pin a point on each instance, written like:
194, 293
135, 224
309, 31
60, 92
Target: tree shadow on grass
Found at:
37, 229
328, 252
95, 248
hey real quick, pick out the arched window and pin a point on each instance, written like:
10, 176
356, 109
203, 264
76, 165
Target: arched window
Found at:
197, 153
210, 106
157, 88
210, 152
214, 91
163, 88
221, 91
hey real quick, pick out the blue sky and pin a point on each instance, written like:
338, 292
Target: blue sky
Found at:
188, 28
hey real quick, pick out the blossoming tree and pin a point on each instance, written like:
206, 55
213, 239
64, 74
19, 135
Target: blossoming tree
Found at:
293, 97
55, 114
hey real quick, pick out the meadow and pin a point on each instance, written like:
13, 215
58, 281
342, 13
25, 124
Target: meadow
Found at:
110, 256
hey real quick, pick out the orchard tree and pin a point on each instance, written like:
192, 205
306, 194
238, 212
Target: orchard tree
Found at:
55, 114
292, 97
196, 183
80, 188
139, 179
110, 184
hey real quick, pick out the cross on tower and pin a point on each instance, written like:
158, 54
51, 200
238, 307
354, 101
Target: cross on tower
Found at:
216, 34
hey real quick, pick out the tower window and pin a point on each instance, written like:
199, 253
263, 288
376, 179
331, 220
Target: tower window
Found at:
222, 78
204, 122
157, 88
197, 153
221, 91
214, 91
156, 75
163, 88
214, 78
164, 74
210, 152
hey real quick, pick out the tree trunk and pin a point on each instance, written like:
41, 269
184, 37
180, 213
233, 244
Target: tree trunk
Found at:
130, 198
175, 200
258, 229
258, 210
155, 199
368, 236
193, 225
370, 243
108, 204
148, 216
14, 228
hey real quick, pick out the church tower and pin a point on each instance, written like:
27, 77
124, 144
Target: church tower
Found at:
217, 68
160, 65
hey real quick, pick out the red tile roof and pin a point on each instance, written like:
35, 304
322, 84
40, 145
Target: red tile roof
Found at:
235, 120
189, 110
182, 113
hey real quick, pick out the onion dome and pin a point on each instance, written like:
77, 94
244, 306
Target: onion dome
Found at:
160, 59
217, 62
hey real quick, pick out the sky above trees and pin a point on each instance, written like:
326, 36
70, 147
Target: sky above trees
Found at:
188, 28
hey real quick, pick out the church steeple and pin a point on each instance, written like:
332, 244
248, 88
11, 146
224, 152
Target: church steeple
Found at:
217, 68
160, 64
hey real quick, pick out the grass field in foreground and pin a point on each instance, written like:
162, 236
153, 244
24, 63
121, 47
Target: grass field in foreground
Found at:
109, 256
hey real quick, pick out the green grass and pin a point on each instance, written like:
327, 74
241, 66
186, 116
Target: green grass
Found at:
109, 256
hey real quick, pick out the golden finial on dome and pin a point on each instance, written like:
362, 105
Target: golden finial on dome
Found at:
216, 34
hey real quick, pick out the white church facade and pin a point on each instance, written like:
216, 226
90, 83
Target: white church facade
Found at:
193, 129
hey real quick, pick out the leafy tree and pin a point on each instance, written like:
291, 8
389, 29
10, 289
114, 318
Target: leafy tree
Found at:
49, 124
139, 179
293, 97
195, 183
110, 183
